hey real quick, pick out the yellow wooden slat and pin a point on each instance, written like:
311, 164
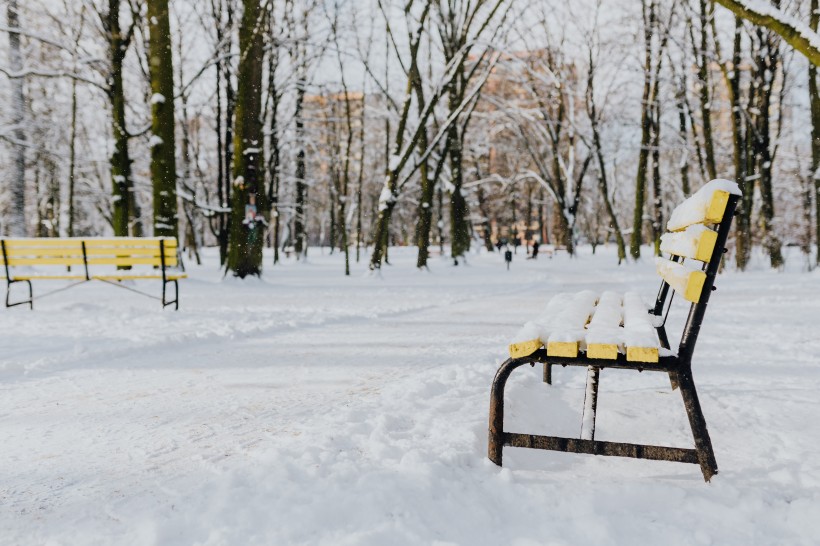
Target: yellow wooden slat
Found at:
35, 242
524, 348
58, 252
602, 350
717, 207
109, 260
704, 245
136, 277
122, 244
45, 261
642, 354
687, 283
129, 251
563, 348
66, 277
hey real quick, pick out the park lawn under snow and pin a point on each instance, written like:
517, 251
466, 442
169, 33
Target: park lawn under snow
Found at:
310, 408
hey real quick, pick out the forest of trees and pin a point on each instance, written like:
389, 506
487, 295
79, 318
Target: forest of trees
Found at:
363, 124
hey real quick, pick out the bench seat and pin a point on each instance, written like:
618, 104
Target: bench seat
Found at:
600, 325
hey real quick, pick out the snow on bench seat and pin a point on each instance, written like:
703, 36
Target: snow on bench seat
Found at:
603, 326
706, 206
565, 339
640, 336
603, 335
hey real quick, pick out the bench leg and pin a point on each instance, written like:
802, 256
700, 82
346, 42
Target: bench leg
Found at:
29, 301
496, 436
590, 403
175, 301
547, 373
703, 444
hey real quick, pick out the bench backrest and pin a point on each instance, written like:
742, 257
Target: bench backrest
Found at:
115, 251
698, 230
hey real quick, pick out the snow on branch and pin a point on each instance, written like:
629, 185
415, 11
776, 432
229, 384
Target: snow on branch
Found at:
794, 31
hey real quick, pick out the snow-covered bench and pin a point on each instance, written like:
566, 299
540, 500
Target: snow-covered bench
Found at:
611, 330
90, 259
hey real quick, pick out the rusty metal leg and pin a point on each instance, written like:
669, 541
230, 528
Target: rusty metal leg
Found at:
547, 373
590, 403
673, 381
496, 436
703, 444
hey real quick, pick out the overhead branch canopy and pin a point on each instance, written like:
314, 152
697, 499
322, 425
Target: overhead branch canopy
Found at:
796, 33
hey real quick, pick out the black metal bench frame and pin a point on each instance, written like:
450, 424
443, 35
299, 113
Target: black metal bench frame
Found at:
10, 280
679, 369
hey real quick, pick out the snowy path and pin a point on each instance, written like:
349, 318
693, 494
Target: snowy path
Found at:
316, 409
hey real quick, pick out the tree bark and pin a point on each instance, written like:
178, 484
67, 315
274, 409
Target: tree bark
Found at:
123, 197
646, 133
163, 146
17, 107
299, 236
814, 98
704, 81
249, 203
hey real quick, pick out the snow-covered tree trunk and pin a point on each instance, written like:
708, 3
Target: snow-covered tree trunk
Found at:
163, 147
123, 208
248, 204
17, 108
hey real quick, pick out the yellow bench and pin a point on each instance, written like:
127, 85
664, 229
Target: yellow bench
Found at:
90, 259
608, 330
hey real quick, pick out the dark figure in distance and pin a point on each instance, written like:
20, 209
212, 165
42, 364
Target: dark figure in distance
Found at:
535, 246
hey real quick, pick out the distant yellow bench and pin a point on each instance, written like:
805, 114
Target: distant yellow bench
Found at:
610, 330
91, 259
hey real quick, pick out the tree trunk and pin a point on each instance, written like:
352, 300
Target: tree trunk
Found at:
163, 147
459, 223
643, 157
72, 161
768, 60
814, 98
300, 239
705, 90
17, 175
275, 156
249, 199
657, 191
122, 185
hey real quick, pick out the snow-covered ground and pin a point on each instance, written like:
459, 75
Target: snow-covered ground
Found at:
310, 408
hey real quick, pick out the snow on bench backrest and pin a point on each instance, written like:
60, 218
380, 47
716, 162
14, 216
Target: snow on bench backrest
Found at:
706, 206
689, 238
696, 242
686, 282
